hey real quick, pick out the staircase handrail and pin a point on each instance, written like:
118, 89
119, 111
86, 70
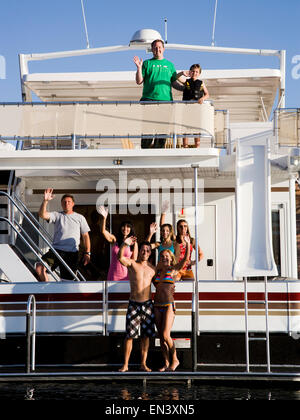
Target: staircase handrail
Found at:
4, 219
40, 234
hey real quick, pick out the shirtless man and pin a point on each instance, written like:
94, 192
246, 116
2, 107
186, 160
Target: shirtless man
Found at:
140, 308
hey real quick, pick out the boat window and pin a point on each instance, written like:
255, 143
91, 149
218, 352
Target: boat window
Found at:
276, 239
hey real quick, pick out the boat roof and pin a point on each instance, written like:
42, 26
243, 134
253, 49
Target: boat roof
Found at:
248, 94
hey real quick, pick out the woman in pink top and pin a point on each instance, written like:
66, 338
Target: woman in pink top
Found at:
117, 271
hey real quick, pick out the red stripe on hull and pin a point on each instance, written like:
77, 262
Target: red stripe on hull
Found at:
47, 297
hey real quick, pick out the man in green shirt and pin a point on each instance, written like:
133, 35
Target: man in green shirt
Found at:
157, 75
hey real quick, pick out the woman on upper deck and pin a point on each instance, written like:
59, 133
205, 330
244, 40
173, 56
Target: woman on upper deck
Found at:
117, 271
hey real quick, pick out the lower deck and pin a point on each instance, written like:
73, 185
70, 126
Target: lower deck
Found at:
94, 359
80, 327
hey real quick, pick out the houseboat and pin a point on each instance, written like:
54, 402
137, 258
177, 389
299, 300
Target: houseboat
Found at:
237, 192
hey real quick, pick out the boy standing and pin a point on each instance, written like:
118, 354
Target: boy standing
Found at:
194, 90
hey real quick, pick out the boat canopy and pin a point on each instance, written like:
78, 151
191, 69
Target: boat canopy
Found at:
248, 94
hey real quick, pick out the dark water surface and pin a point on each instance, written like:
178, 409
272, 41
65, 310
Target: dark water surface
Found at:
130, 392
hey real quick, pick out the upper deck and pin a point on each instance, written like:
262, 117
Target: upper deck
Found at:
99, 113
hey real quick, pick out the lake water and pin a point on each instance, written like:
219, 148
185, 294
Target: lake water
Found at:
130, 392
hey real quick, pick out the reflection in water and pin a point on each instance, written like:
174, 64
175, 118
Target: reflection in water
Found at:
155, 391
165, 394
29, 393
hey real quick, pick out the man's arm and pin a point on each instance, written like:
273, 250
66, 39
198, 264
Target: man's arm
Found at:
48, 196
178, 85
87, 246
185, 73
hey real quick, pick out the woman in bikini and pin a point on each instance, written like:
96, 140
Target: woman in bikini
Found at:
117, 271
186, 273
164, 305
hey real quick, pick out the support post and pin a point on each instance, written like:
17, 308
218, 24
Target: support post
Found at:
293, 240
195, 301
246, 324
30, 333
267, 325
73, 141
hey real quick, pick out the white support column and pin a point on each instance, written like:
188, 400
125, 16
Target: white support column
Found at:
293, 230
282, 81
195, 301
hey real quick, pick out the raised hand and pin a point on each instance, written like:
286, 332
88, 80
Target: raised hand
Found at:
102, 211
164, 206
153, 228
187, 240
130, 241
48, 194
138, 62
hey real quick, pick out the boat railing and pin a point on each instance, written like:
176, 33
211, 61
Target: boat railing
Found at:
248, 306
287, 127
30, 333
17, 228
25, 238
120, 124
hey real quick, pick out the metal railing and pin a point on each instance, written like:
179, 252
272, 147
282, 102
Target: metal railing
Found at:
20, 231
30, 333
287, 127
30, 244
77, 125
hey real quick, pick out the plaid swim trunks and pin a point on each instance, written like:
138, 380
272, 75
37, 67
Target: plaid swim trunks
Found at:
140, 314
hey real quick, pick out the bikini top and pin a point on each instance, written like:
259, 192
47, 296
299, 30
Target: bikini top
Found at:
162, 248
167, 279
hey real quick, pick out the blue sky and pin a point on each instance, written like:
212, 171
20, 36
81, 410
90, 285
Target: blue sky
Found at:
33, 26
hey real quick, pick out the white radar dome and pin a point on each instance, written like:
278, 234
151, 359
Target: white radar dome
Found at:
145, 36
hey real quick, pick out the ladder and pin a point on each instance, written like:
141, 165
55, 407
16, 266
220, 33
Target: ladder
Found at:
267, 334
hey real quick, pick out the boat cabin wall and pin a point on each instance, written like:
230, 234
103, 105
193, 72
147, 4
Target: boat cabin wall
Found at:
216, 222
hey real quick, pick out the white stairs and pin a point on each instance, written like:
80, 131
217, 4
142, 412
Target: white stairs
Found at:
13, 268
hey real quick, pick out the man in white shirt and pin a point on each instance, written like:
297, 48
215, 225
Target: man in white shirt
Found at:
69, 226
